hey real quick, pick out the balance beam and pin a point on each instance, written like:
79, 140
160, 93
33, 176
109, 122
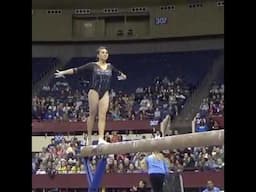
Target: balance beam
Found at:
158, 144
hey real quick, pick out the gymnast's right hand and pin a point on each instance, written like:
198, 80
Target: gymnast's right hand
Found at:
59, 74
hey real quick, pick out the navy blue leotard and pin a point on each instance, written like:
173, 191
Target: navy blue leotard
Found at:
100, 78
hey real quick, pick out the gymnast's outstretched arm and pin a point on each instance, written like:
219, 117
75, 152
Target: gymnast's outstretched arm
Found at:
121, 76
72, 70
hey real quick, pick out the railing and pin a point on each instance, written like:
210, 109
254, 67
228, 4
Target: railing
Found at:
71, 127
115, 180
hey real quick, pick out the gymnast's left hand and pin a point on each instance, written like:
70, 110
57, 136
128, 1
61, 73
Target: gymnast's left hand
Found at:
122, 77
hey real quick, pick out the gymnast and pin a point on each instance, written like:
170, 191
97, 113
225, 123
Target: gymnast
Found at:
98, 95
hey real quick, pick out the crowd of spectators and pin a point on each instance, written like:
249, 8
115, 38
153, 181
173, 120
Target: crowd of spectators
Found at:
163, 97
211, 106
59, 101
61, 157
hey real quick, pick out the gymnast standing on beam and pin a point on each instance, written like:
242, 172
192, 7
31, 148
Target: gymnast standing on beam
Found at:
98, 95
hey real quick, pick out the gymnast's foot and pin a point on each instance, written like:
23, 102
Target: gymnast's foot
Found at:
102, 141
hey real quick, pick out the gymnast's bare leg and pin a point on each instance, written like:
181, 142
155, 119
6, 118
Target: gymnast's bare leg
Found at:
103, 108
93, 99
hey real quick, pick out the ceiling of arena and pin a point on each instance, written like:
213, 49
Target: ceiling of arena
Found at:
94, 4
